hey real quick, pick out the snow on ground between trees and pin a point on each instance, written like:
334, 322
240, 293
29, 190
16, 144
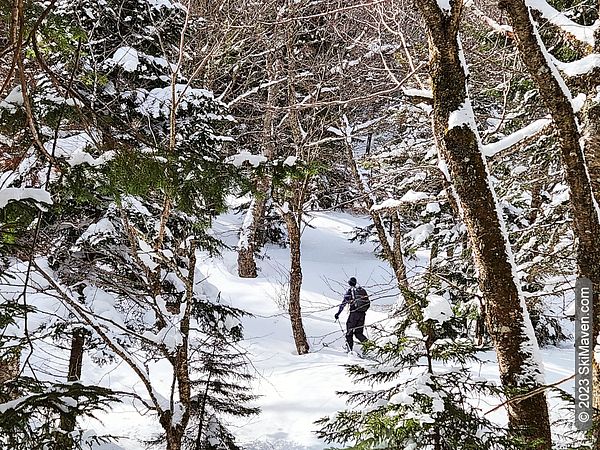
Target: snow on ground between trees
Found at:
295, 390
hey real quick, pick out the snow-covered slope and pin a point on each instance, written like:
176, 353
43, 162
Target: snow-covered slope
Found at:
295, 390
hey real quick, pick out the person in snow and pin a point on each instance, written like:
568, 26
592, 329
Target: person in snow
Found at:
356, 319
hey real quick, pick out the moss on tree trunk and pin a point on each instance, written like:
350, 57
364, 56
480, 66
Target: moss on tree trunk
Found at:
459, 146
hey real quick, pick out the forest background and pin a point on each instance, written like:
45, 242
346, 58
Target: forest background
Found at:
465, 132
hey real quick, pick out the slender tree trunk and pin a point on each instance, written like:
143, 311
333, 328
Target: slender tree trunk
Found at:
248, 243
400, 268
591, 122
295, 283
9, 368
536, 201
391, 248
251, 239
297, 188
173, 441
67, 421
592, 143
586, 225
507, 318
591, 119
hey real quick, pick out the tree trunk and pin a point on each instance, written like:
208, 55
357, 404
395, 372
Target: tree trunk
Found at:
591, 124
586, 225
536, 202
9, 369
250, 239
391, 248
67, 421
458, 143
295, 284
173, 441
592, 144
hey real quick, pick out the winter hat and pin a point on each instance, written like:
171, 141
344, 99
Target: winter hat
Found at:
352, 281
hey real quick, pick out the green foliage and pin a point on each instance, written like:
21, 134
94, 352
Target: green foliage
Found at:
30, 421
422, 393
134, 188
14, 220
566, 53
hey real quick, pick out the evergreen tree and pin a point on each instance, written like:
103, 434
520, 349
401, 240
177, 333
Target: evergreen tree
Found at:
135, 164
422, 391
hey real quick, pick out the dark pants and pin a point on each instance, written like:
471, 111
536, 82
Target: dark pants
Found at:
354, 326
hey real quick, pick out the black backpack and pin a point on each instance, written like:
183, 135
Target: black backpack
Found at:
361, 300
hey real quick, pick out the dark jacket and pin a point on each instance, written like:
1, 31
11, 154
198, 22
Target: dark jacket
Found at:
349, 299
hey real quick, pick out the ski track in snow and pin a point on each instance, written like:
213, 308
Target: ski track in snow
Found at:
294, 390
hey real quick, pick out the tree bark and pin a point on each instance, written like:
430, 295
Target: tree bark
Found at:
250, 236
250, 240
297, 187
591, 124
9, 369
458, 144
295, 284
586, 221
67, 421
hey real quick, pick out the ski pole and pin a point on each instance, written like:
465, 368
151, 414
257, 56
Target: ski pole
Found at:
342, 330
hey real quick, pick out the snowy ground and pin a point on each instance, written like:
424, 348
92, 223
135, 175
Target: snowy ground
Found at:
295, 390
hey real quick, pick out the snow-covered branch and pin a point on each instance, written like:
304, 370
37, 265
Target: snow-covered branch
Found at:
582, 33
525, 133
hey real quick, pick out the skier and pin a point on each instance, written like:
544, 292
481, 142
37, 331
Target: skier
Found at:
358, 300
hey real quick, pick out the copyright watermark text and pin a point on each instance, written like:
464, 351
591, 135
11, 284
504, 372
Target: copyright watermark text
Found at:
584, 294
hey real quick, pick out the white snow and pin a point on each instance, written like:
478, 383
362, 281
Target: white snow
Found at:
24, 193
433, 207
12, 100
443, 168
526, 132
127, 58
72, 148
425, 93
290, 161
412, 196
409, 197
389, 203
98, 231
438, 309
157, 4
420, 234
444, 5
294, 390
578, 102
463, 116
239, 159
582, 33
580, 66
147, 254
